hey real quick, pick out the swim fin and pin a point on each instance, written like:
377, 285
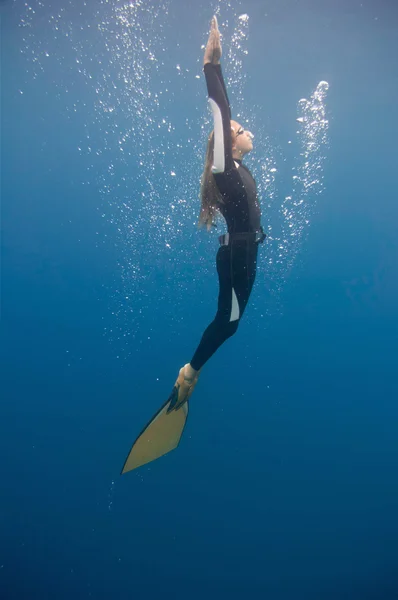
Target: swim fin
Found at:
160, 436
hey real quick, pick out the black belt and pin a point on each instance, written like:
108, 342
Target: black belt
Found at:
256, 237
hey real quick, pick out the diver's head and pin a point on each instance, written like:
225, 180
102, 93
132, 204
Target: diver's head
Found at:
242, 140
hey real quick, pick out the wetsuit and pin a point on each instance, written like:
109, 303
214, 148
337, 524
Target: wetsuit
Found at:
237, 255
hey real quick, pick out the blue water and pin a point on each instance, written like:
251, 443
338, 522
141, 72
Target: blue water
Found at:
285, 483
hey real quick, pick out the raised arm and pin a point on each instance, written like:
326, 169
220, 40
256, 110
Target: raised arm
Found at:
219, 103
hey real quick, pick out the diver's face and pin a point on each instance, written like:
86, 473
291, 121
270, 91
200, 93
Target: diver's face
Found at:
242, 139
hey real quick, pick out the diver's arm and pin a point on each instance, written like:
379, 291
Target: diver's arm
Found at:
218, 99
213, 53
221, 78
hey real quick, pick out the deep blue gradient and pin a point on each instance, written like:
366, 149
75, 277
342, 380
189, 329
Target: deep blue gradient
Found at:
285, 484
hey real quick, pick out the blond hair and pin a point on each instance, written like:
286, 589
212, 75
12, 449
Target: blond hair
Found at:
211, 199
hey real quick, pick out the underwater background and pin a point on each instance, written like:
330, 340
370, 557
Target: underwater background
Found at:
285, 483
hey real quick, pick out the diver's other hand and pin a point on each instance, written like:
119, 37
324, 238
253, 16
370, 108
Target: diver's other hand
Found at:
213, 48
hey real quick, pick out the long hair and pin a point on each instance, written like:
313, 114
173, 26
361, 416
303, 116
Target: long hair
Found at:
209, 193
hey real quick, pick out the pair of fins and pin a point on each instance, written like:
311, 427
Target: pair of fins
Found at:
163, 432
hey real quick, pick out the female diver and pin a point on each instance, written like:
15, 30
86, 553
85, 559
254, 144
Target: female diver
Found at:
228, 187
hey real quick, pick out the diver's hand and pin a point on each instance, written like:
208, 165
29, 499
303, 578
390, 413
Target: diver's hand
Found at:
213, 48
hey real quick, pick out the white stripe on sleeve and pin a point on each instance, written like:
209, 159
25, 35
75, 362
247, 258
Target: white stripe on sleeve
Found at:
219, 152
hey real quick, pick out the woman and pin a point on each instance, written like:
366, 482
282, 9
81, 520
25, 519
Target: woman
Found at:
229, 188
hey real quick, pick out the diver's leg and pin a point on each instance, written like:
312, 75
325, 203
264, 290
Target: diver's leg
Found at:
244, 267
225, 323
212, 338
236, 267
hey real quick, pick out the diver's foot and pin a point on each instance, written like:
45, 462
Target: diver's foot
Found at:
183, 387
189, 373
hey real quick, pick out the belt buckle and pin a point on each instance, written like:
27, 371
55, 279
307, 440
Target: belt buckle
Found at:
224, 239
260, 236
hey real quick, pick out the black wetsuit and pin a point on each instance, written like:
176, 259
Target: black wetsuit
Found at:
237, 256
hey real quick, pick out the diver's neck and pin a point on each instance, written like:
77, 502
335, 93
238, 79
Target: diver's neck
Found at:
236, 155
